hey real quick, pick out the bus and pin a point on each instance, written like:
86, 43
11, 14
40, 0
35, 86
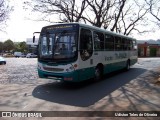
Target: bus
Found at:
76, 52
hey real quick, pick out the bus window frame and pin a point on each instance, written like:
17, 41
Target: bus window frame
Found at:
112, 38
101, 43
85, 54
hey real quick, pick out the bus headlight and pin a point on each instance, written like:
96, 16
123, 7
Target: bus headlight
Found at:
70, 69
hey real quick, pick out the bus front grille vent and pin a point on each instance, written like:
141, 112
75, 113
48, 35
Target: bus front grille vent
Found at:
53, 69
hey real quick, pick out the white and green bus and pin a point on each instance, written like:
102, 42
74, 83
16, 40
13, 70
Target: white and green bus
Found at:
77, 52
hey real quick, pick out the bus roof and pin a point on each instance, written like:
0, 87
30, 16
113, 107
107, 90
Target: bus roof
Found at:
94, 28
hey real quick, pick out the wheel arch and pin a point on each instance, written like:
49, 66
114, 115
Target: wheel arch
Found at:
129, 61
101, 66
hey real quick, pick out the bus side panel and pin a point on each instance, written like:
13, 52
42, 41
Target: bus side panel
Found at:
112, 63
119, 65
85, 69
85, 73
108, 68
134, 57
134, 61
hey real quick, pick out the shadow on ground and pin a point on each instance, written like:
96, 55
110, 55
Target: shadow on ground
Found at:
86, 93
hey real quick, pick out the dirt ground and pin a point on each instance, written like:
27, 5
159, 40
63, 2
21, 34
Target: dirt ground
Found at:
140, 92
156, 80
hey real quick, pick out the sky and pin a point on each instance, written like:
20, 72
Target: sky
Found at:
19, 28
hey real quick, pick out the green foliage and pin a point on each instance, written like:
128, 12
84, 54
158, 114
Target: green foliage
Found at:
1, 47
23, 47
17, 47
153, 52
9, 46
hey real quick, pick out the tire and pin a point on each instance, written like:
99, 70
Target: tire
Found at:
98, 74
127, 66
3, 63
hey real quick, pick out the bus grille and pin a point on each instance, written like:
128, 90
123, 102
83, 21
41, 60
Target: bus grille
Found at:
53, 69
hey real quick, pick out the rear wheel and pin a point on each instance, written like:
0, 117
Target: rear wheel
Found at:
127, 65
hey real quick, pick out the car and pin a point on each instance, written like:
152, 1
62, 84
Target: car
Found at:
31, 55
2, 61
23, 55
17, 54
8, 55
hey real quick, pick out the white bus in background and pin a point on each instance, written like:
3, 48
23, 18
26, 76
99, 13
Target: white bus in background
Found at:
77, 52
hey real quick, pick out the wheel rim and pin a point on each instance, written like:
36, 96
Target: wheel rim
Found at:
97, 74
128, 66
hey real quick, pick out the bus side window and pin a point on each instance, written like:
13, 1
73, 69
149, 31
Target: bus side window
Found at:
118, 43
98, 41
125, 45
134, 45
86, 45
109, 42
131, 45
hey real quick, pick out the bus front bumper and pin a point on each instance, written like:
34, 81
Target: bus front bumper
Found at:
68, 76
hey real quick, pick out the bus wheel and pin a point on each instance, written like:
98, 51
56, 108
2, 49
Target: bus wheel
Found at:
98, 74
127, 66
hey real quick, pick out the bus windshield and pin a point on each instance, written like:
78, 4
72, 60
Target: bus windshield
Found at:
58, 45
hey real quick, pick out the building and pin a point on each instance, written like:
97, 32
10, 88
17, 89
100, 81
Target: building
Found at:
149, 48
32, 47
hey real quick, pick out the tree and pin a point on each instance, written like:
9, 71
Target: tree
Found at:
8, 45
23, 47
131, 19
5, 9
123, 16
118, 15
100, 10
17, 47
67, 10
154, 9
1, 47
20, 47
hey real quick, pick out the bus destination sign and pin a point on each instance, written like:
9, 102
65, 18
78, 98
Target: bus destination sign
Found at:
59, 27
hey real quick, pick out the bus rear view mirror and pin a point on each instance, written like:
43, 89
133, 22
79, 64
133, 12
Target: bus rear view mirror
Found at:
34, 36
33, 39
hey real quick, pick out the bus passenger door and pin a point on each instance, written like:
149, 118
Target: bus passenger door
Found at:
86, 50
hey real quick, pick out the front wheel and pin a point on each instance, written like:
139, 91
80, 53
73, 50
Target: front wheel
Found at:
3, 63
98, 74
